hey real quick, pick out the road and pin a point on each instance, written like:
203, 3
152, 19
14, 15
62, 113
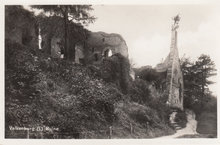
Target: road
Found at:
190, 128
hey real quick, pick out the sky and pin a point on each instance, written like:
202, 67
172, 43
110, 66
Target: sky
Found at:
147, 30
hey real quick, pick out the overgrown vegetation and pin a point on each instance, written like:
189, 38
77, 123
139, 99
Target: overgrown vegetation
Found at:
41, 91
86, 101
197, 96
69, 14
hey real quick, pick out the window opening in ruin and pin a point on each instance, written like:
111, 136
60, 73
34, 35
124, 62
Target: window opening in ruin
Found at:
103, 39
40, 41
108, 53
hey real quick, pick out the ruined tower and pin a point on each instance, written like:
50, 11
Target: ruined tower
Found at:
171, 65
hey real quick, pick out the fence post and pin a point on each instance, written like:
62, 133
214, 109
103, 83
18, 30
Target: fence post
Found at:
85, 135
110, 132
41, 135
131, 128
54, 136
28, 135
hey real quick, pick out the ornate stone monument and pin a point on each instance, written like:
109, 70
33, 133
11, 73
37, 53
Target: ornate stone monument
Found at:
171, 65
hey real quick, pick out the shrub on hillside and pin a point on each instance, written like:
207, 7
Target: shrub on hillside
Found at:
141, 94
56, 93
20, 73
160, 106
116, 69
139, 91
152, 76
205, 103
144, 115
207, 116
147, 74
79, 96
145, 120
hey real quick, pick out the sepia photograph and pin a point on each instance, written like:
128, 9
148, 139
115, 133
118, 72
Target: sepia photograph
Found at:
110, 71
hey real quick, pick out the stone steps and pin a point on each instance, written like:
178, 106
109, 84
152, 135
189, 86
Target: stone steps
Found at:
176, 126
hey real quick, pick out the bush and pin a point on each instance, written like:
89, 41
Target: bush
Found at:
147, 74
116, 69
139, 91
152, 76
160, 106
42, 91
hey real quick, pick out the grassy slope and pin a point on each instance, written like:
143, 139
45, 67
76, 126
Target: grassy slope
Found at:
58, 93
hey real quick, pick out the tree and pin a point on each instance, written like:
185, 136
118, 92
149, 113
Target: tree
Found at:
69, 13
196, 80
191, 87
205, 69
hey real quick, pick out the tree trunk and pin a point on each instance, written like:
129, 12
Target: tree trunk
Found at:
66, 35
203, 89
49, 46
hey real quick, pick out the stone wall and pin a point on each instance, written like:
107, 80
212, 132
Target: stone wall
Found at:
100, 45
20, 26
55, 47
79, 51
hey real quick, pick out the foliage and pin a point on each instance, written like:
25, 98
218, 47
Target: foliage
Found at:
160, 106
71, 97
24, 76
146, 121
139, 91
147, 74
197, 95
17, 16
196, 75
43, 91
47, 92
69, 14
79, 13
207, 117
141, 94
116, 69
150, 75
205, 69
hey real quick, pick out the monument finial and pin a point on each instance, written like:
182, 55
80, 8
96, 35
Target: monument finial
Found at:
176, 19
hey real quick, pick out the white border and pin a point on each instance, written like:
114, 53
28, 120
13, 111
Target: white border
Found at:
95, 141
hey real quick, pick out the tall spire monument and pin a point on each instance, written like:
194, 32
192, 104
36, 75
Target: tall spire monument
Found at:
171, 65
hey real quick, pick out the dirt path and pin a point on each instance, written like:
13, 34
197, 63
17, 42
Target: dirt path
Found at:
190, 128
